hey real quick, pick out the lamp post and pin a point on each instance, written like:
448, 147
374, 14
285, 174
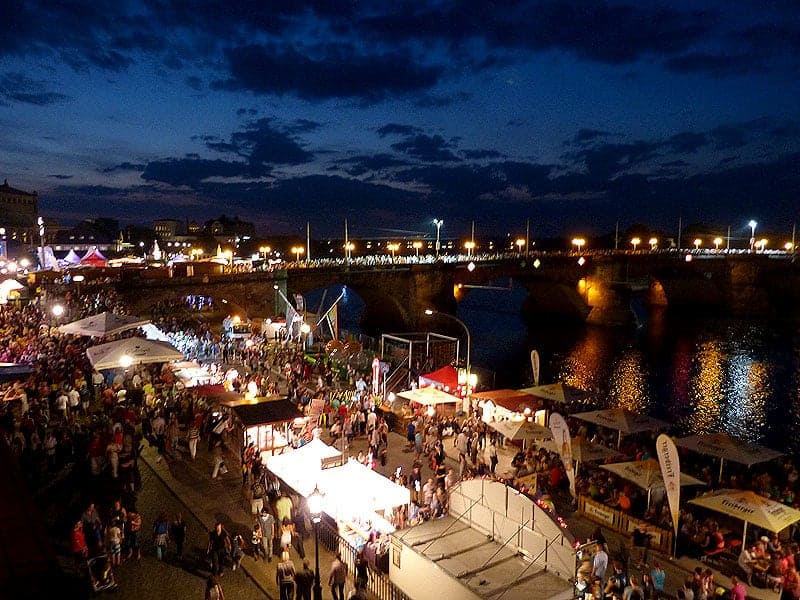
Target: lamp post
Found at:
520, 243
635, 242
438, 223
315, 508
469, 246
467, 399
393, 247
297, 251
265, 250
653, 244
578, 243
717, 242
697, 243
417, 246
752, 225
348, 249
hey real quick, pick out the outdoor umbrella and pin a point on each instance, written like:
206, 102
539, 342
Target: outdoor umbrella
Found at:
103, 325
130, 351
622, 420
562, 393
521, 429
646, 474
429, 396
725, 447
749, 507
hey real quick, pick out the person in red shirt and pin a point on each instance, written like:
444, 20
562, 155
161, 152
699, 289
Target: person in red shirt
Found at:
78, 546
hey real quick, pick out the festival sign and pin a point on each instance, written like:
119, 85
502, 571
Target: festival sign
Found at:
671, 473
563, 443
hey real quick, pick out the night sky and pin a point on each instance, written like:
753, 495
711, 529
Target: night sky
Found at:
573, 114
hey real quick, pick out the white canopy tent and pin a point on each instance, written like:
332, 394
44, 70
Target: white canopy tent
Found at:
622, 420
374, 491
131, 351
429, 396
562, 393
301, 468
726, 447
521, 429
103, 324
585, 451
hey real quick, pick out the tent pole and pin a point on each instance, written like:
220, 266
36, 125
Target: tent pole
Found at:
619, 439
721, 464
744, 536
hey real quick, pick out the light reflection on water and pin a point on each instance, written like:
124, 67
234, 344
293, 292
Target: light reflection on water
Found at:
701, 374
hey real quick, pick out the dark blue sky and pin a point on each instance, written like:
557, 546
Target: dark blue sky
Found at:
573, 114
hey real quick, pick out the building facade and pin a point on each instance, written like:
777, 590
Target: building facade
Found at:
19, 212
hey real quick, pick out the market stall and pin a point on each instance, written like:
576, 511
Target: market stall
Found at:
505, 404
264, 421
300, 469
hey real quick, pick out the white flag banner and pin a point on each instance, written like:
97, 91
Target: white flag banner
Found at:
671, 473
535, 366
563, 443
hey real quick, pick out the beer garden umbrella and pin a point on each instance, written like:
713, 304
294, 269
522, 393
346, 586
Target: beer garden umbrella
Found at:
562, 393
585, 451
646, 474
521, 429
622, 420
103, 324
749, 507
131, 351
725, 447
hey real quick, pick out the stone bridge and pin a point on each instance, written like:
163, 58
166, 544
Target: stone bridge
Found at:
598, 289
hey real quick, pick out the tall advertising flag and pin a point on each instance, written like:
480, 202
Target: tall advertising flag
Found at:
671, 472
563, 443
535, 366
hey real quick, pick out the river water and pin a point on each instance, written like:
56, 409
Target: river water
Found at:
703, 373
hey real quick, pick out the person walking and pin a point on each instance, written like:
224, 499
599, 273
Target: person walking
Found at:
284, 577
178, 534
492, 451
219, 544
304, 581
193, 436
267, 522
337, 577
161, 535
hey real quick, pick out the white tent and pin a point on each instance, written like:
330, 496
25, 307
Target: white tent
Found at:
300, 468
521, 429
153, 332
726, 447
429, 396
72, 258
102, 325
131, 351
558, 392
354, 489
622, 420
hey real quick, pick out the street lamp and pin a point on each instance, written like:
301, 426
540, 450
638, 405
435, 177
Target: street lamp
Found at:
697, 243
57, 310
520, 243
141, 247
635, 242
752, 225
578, 243
315, 508
466, 405
297, 251
469, 246
788, 246
416, 246
438, 223
653, 244
393, 247
762, 244
265, 250
348, 248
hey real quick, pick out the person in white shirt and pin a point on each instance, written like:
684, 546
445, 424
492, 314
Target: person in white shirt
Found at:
600, 565
61, 404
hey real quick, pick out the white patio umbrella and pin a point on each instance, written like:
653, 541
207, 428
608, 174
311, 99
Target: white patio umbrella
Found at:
131, 351
562, 393
749, 507
622, 420
646, 474
521, 429
103, 324
725, 447
429, 396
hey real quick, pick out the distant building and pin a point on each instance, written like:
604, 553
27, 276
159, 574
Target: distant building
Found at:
231, 230
19, 212
102, 233
167, 230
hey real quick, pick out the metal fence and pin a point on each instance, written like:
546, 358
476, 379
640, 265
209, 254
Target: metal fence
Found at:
379, 585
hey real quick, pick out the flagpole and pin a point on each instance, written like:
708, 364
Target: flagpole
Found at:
308, 241
527, 237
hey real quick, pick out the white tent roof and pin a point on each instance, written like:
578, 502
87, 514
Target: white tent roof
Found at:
750, 507
300, 468
558, 392
722, 445
646, 473
135, 350
11, 284
521, 429
153, 332
72, 257
428, 396
353, 488
104, 324
623, 420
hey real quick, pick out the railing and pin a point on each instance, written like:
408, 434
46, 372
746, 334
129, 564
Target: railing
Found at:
379, 585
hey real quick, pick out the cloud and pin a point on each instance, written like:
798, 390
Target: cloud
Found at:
328, 72
432, 101
589, 135
192, 171
427, 148
397, 129
687, 142
715, 65
605, 161
125, 166
57, 176
481, 154
262, 144
358, 165
17, 87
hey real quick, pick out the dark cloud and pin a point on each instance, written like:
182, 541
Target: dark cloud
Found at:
727, 137
194, 82
673, 164
17, 87
427, 148
302, 126
262, 144
125, 166
333, 71
687, 142
589, 135
606, 161
431, 101
397, 129
193, 171
246, 111
481, 154
57, 176
715, 65
359, 165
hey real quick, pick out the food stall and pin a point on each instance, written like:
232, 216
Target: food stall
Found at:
265, 421
300, 469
